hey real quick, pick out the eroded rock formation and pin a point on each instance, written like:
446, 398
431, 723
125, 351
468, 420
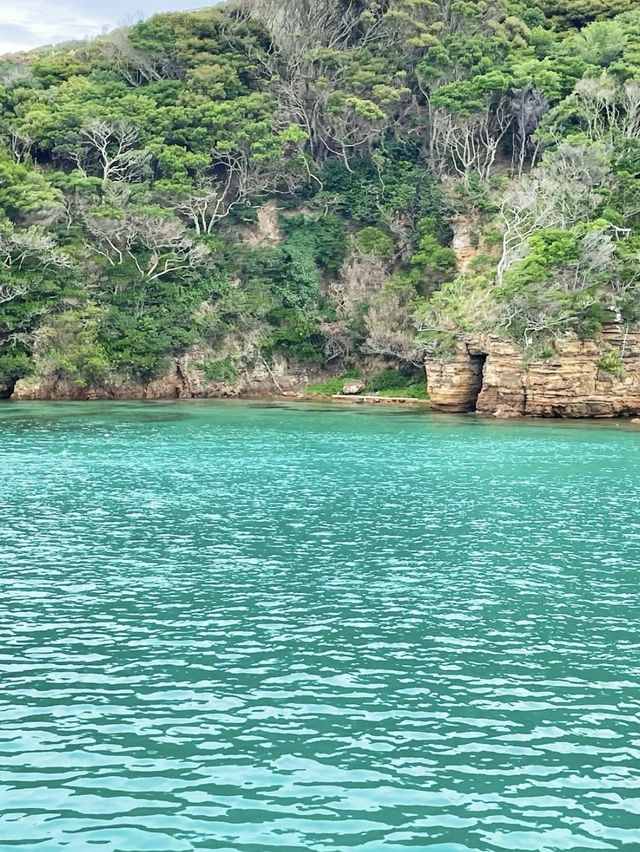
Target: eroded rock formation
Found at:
186, 378
468, 241
592, 378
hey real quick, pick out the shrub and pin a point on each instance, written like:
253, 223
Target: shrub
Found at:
296, 335
14, 364
69, 347
331, 386
611, 362
416, 390
224, 370
438, 344
438, 261
323, 238
374, 241
394, 382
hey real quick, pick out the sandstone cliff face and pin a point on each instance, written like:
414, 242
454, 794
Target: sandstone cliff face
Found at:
488, 375
468, 242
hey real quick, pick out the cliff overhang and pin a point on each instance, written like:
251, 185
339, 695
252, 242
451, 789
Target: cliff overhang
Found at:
491, 376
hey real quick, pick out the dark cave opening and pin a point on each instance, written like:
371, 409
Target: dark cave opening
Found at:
477, 361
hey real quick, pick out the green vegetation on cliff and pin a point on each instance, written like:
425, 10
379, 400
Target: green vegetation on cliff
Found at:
285, 179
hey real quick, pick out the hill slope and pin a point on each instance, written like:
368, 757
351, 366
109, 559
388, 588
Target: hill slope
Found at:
307, 188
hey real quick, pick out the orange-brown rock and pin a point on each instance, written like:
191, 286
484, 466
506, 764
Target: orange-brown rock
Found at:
454, 385
468, 242
169, 386
185, 379
489, 375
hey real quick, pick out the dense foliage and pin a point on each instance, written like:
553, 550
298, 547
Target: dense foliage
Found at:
137, 172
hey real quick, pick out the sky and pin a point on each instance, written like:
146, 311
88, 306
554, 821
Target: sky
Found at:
29, 23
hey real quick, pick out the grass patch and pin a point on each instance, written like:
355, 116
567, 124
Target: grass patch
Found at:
416, 390
224, 370
332, 386
410, 382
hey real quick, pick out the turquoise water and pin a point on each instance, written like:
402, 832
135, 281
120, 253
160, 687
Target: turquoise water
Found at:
242, 627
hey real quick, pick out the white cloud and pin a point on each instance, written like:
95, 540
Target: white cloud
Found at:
29, 23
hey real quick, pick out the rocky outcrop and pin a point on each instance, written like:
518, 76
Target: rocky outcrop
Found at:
468, 241
359, 278
186, 378
580, 378
454, 384
169, 386
352, 388
266, 230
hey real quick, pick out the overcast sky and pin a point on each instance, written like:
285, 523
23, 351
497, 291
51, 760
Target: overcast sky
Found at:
29, 23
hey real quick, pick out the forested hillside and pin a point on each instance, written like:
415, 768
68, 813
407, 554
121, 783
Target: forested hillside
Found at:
361, 134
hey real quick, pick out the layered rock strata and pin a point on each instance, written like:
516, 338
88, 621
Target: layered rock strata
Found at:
592, 378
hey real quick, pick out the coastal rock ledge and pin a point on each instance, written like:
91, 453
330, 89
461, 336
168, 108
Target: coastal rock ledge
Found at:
579, 378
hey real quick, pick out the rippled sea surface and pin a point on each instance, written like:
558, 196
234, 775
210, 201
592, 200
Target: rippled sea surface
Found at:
246, 627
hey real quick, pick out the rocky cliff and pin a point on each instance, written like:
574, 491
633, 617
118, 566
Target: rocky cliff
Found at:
186, 378
592, 378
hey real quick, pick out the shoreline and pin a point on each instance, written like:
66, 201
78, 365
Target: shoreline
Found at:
292, 396
339, 399
358, 399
